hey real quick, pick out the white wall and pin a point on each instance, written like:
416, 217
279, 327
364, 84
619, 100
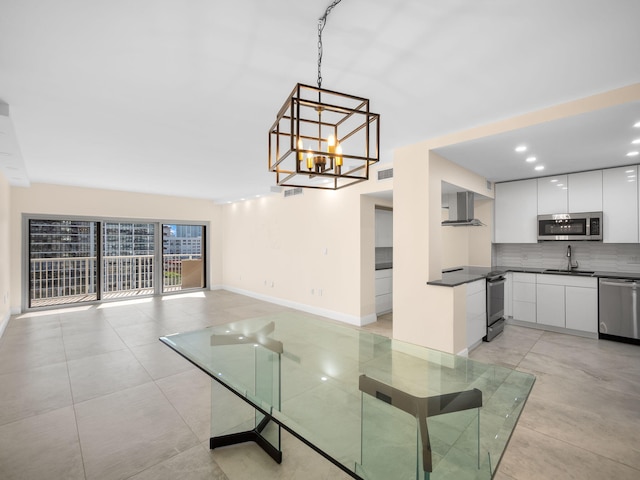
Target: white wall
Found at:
423, 314
303, 250
5, 253
63, 200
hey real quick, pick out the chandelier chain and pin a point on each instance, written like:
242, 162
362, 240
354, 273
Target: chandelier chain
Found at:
322, 21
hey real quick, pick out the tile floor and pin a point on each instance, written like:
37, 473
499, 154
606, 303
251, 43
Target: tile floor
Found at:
90, 393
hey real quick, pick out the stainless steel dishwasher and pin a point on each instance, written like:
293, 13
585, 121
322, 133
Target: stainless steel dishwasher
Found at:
619, 308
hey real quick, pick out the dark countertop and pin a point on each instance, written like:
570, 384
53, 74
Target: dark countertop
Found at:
453, 277
384, 266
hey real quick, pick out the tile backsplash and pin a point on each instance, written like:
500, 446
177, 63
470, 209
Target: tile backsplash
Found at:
384, 255
608, 257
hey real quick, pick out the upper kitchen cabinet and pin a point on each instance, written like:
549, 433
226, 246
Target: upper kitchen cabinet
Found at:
620, 205
384, 228
552, 195
585, 192
516, 212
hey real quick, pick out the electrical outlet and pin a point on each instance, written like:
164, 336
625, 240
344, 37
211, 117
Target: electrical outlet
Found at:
320, 292
312, 291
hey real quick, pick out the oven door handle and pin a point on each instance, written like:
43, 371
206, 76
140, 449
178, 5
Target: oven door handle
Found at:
496, 280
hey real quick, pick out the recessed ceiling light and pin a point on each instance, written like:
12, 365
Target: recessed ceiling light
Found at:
629, 171
637, 124
521, 148
5, 153
540, 167
633, 154
636, 142
560, 185
564, 188
531, 159
631, 176
554, 180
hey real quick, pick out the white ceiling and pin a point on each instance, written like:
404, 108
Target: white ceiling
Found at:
175, 97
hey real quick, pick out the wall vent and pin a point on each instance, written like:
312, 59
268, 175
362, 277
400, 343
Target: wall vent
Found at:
384, 174
292, 191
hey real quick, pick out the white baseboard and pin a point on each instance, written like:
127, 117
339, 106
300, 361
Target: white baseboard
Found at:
463, 353
332, 314
3, 323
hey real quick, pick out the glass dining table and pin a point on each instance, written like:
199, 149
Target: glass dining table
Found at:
376, 407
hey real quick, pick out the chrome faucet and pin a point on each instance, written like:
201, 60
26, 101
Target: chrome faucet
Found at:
570, 265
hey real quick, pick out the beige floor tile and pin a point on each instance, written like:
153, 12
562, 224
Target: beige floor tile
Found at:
41, 447
190, 394
32, 349
534, 456
92, 343
595, 431
127, 432
145, 333
32, 392
160, 361
106, 373
196, 463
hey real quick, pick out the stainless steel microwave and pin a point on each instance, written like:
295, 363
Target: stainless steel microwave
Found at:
570, 226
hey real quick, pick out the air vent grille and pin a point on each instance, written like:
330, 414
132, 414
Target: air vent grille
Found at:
384, 174
292, 191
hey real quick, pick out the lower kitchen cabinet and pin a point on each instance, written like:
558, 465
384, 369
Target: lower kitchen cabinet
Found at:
476, 312
384, 291
567, 301
582, 308
550, 307
524, 297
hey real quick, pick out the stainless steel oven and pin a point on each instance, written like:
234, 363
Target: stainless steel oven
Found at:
570, 226
495, 304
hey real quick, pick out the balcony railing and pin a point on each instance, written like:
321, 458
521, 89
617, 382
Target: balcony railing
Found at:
56, 281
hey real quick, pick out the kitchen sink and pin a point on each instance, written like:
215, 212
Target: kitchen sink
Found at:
584, 273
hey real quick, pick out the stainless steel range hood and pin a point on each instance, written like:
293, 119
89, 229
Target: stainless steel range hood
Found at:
461, 211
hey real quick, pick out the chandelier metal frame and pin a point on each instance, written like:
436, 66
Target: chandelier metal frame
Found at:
322, 138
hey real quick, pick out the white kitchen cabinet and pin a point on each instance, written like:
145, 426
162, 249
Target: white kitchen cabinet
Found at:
476, 312
585, 192
508, 295
524, 297
567, 301
384, 228
550, 307
552, 195
620, 205
582, 308
384, 291
516, 212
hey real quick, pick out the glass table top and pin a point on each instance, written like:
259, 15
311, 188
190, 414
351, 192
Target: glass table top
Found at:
308, 374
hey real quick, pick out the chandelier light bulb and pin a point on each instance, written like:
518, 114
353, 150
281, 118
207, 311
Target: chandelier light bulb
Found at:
331, 144
339, 155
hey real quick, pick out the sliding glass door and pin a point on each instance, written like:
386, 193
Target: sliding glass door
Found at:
63, 262
82, 260
183, 257
128, 258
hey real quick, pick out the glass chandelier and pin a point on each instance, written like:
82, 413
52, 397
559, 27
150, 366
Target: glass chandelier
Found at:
322, 138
